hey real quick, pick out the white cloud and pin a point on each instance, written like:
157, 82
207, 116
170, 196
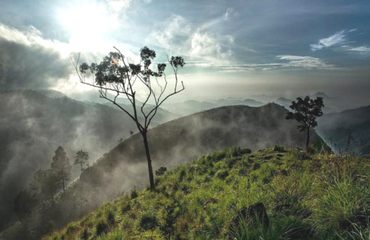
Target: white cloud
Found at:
304, 62
207, 45
291, 62
230, 13
178, 35
118, 6
336, 39
361, 49
173, 33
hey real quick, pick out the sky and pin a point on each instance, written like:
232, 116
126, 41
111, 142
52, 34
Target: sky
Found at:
231, 48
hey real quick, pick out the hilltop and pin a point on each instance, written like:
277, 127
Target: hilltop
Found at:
305, 196
174, 143
184, 140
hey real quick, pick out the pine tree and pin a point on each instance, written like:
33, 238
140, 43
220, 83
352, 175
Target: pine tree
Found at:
61, 167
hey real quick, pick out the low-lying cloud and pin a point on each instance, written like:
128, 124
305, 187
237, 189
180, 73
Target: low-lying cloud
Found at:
29, 61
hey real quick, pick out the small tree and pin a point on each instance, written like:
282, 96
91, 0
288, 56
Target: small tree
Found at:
115, 74
305, 112
24, 204
45, 184
61, 167
81, 159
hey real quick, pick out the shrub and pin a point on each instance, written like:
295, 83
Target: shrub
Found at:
110, 218
160, 171
134, 194
126, 207
148, 221
101, 228
222, 174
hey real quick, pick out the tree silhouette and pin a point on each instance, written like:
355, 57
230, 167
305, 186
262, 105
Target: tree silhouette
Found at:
81, 159
61, 167
305, 112
116, 75
24, 204
45, 184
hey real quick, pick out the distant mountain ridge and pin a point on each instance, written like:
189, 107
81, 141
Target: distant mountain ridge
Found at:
336, 129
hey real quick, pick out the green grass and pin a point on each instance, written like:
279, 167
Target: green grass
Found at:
306, 197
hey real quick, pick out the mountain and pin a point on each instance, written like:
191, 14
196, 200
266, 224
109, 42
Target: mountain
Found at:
161, 116
233, 102
34, 125
251, 103
188, 107
193, 106
322, 95
173, 143
336, 128
51, 93
284, 102
275, 193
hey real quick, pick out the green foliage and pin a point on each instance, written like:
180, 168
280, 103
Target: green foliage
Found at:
101, 228
148, 221
134, 194
160, 171
81, 159
323, 197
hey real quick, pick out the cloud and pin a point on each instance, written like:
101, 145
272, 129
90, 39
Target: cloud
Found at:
336, 39
304, 62
361, 49
173, 33
290, 62
211, 46
118, 6
230, 13
177, 34
29, 61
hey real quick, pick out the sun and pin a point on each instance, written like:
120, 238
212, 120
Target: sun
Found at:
88, 22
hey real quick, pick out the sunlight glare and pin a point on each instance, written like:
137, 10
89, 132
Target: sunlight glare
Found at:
88, 23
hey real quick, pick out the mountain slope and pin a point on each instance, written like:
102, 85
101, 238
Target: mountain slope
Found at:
337, 127
34, 125
304, 199
179, 141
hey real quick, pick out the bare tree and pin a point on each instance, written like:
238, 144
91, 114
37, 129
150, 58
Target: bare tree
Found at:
115, 76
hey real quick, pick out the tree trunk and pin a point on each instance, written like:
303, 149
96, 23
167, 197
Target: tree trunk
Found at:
308, 138
63, 184
149, 160
63, 181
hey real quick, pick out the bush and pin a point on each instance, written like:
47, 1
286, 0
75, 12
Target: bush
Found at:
222, 174
126, 207
101, 228
110, 218
134, 194
182, 174
278, 148
148, 221
160, 171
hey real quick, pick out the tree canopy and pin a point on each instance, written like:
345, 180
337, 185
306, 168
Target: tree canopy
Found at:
305, 112
117, 77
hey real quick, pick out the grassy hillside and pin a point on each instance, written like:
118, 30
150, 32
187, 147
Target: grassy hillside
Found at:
174, 143
306, 197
